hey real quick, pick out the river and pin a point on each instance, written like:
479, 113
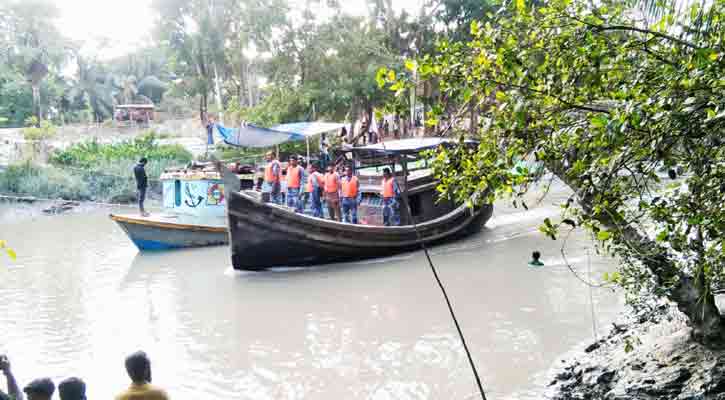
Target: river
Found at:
79, 298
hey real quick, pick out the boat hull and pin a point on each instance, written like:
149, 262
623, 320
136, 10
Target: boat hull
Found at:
158, 234
263, 235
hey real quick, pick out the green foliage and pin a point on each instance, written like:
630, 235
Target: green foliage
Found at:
35, 130
91, 154
10, 252
604, 103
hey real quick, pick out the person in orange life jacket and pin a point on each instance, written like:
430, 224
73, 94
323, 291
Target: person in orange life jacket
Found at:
332, 193
295, 177
314, 187
350, 196
272, 176
390, 192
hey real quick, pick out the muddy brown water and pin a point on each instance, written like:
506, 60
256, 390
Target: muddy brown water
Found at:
79, 298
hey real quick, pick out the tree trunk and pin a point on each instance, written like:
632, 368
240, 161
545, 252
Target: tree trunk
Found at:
36, 104
708, 327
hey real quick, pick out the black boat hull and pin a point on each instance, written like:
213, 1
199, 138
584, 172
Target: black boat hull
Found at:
263, 235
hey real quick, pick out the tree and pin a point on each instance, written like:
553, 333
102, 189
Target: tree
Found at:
195, 32
33, 44
630, 116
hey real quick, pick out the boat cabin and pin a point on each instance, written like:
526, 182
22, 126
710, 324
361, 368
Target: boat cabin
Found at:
199, 190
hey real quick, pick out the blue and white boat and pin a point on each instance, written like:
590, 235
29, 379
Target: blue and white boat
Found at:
194, 210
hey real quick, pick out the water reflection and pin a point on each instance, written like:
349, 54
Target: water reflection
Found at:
379, 329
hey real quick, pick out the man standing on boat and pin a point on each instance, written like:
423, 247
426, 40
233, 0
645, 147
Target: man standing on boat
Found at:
295, 177
332, 193
315, 184
271, 186
391, 192
350, 196
139, 171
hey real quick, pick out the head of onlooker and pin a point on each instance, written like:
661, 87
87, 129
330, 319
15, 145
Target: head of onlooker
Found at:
348, 171
138, 367
269, 156
293, 161
330, 169
39, 389
72, 389
386, 173
143, 161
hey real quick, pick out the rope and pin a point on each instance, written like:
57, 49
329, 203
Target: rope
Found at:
443, 290
448, 301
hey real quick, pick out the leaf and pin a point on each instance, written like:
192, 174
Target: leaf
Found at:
410, 65
391, 75
569, 222
603, 235
11, 254
3, 244
500, 96
520, 6
599, 121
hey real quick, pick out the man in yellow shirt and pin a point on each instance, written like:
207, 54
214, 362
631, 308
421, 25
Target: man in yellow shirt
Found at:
138, 367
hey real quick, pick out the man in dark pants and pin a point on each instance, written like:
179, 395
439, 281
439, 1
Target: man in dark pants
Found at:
139, 172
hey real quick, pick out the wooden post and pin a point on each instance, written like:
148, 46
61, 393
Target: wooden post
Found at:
307, 139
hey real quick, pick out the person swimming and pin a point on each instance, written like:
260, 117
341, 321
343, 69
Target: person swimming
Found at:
535, 262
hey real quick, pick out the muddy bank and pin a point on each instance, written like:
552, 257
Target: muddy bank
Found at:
645, 356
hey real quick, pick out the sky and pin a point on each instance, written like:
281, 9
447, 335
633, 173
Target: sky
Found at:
127, 24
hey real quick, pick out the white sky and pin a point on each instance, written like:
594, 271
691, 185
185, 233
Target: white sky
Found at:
128, 23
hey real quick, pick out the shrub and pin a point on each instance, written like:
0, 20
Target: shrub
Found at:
92, 153
38, 131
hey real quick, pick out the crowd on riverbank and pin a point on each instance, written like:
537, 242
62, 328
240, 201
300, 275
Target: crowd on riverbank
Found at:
138, 367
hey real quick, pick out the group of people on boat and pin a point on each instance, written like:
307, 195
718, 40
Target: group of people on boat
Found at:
340, 194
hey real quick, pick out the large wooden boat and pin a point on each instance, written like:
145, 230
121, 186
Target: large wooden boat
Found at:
264, 235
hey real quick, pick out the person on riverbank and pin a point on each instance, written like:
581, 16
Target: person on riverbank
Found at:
209, 132
139, 171
272, 172
332, 193
295, 177
324, 151
39, 389
315, 184
390, 192
138, 367
14, 392
72, 389
350, 196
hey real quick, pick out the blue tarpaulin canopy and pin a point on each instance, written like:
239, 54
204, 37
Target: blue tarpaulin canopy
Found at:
249, 135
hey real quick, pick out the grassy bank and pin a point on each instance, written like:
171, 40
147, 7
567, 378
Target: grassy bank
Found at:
93, 171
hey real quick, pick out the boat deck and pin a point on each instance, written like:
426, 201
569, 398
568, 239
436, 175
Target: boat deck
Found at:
174, 220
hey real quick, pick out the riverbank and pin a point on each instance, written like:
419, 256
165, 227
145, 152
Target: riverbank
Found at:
648, 355
93, 171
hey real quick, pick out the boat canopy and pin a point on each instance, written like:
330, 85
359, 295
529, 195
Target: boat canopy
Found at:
249, 135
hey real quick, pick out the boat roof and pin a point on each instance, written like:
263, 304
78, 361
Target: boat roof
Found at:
249, 135
404, 146
135, 106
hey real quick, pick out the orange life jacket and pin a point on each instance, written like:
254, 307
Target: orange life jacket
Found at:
293, 177
269, 175
310, 181
388, 188
349, 187
331, 182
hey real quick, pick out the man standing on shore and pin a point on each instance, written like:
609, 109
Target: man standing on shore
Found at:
139, 171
